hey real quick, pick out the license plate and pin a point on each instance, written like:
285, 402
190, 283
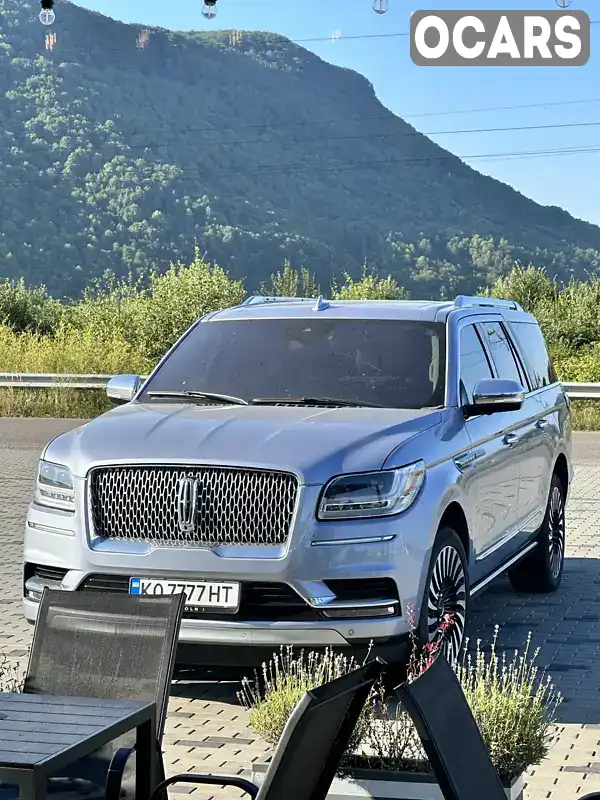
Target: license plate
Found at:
198, 594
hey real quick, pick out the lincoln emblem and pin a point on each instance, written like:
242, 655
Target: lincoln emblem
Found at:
187, 504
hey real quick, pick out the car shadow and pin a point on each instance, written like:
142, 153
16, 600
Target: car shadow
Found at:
564, 625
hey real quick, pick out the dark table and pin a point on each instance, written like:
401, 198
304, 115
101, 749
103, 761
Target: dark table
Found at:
40, 734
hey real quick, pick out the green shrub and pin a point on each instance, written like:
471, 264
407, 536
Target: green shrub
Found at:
512, 701
275, 693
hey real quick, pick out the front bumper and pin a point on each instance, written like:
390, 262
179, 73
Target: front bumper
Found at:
366, 550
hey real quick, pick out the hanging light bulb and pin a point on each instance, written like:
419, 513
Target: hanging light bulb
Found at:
209, 11
380, 6
47, 15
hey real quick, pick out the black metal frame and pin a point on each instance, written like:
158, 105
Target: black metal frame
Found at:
357, 683
153, 771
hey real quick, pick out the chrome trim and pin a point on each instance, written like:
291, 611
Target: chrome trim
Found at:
238, 507
37, 585
187, 503
465, 460
315, 602
50, 529
507, 537
356, 540
507, 564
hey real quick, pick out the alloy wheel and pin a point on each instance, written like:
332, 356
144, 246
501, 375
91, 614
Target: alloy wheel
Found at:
556, 532
447, 600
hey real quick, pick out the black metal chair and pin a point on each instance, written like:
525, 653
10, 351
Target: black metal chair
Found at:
312, 745
116, 647
451, 737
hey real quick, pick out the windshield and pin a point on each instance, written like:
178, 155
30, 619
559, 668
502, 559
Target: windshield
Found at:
390, 363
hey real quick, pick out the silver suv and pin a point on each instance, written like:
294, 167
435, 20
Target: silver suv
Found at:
311, 472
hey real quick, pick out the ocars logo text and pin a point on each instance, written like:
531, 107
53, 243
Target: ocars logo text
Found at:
500, 38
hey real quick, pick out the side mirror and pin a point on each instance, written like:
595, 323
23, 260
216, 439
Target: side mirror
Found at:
493, 395
122, 388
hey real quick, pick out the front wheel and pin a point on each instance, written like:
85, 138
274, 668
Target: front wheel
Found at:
446, 595
542, 570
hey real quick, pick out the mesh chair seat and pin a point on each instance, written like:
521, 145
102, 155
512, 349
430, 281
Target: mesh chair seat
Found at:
113, 647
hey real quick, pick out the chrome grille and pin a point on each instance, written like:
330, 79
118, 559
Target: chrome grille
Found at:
233, 506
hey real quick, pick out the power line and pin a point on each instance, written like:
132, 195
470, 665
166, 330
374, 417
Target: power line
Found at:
280, 37
370, 136
343, 166
502, 108
389, 116
395, 135
373, 36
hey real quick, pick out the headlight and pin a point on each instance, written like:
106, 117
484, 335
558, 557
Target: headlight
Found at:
372, 494
54, 487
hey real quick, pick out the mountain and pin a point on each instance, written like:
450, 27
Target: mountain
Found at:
122, 148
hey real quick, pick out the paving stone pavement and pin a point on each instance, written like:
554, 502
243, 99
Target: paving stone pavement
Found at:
208, 731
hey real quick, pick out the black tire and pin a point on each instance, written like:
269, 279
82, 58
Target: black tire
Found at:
542, 570
446, 593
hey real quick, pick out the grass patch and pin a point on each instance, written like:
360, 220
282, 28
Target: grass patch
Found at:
56, 403
586, 415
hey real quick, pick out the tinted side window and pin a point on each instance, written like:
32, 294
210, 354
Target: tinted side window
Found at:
474, 364
535, 354
502, 354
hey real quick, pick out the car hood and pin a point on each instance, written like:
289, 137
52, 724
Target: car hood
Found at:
314, 443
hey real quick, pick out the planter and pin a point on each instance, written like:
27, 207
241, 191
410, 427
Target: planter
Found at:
365, 784
382, 785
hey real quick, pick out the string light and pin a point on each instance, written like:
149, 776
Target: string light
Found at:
47, 15
209, 11
380, 6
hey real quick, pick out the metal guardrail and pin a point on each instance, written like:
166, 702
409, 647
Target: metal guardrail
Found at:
32, 380
583, 391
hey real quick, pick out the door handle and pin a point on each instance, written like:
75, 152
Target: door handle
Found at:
541, 424
510, 439
466, 460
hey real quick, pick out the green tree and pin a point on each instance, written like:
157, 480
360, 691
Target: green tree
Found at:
291, 283
178, 298
369, 287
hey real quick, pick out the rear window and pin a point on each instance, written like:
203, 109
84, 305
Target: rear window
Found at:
501, 351
534, 353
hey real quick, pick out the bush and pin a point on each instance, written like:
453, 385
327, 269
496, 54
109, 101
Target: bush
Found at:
284, 681
127, 325
369, 287
513, 703
24, 308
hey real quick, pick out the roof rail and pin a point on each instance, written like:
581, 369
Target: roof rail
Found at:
463, 301
258, 300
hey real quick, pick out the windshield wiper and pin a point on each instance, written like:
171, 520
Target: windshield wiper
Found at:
312, 401
191, 395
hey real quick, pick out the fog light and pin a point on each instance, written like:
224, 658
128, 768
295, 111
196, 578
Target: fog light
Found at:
361, 611
34, 595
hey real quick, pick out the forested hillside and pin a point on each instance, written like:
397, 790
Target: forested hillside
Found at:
122, 151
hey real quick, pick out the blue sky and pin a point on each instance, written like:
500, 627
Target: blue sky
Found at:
425, 95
